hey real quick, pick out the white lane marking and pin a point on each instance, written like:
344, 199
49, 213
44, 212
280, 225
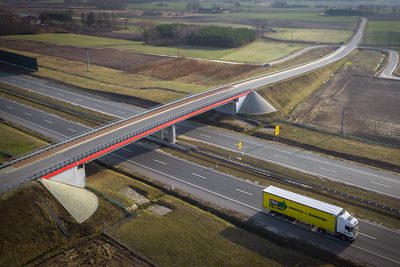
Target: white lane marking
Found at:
72, 130
160, 162
204, 135
236, 201
376, 254
125, 149
185, 182
244, 192
10, 107
368, 236
28, 114
294, 152
195, 174
48, 121
41, 127
328, 170
97, 105
119, 111
381, 184
278, 156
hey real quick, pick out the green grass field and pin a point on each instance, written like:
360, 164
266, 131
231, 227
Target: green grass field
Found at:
188, 236
256, 52
14, 142
383, 32
312, 35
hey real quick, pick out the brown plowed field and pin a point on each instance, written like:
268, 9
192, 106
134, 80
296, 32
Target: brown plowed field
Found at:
111, 58
355, 103
363, 106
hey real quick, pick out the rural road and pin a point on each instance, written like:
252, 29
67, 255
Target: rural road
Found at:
376, 245
391, 67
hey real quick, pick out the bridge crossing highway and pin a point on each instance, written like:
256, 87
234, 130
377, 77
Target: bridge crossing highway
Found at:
376, 245
107, 139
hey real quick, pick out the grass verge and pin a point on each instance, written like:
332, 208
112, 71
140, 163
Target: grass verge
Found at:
14, 142
188, 235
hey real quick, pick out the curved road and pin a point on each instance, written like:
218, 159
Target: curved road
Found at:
376, 245
391, 66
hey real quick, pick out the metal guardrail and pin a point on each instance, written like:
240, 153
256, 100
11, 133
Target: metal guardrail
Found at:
292, 181
64, 163
108, 125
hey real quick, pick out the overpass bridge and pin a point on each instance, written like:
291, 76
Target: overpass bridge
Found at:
66, 159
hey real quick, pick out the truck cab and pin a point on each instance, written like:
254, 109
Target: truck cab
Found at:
347, 226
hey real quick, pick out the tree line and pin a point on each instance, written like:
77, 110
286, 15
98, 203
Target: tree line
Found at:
215, 36
364, 10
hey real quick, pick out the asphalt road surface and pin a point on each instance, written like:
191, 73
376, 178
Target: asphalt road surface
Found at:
383, 182
391, 66
375, 245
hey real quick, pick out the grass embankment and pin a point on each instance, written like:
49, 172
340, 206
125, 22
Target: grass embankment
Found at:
28, 229
285, 96
335, 143
265, 50
14, 142
383, 32
312, 35
187, 236
361, 211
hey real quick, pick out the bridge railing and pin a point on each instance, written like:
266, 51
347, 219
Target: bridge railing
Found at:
113, 123
66, 162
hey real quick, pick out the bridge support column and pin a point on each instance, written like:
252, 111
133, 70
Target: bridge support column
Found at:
75, 177
168, 134
171, 134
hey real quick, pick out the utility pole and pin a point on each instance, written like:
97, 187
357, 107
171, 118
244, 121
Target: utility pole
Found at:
87, 61
342, 121
291, 38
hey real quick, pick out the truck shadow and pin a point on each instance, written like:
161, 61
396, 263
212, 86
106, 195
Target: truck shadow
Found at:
286, 243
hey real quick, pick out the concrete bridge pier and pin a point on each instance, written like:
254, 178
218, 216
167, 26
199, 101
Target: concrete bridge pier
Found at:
167, 134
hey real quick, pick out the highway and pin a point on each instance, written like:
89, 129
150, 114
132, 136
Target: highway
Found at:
383, 182
376, 245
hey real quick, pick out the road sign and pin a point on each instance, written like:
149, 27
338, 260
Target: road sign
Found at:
277, 130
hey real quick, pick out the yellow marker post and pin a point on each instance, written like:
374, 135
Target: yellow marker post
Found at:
240, 147
277, 130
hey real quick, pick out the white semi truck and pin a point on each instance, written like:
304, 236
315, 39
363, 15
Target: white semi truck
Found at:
327, 218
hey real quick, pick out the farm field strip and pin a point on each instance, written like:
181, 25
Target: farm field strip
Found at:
266, 51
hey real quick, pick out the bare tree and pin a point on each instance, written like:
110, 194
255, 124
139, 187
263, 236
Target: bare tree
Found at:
147, 29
